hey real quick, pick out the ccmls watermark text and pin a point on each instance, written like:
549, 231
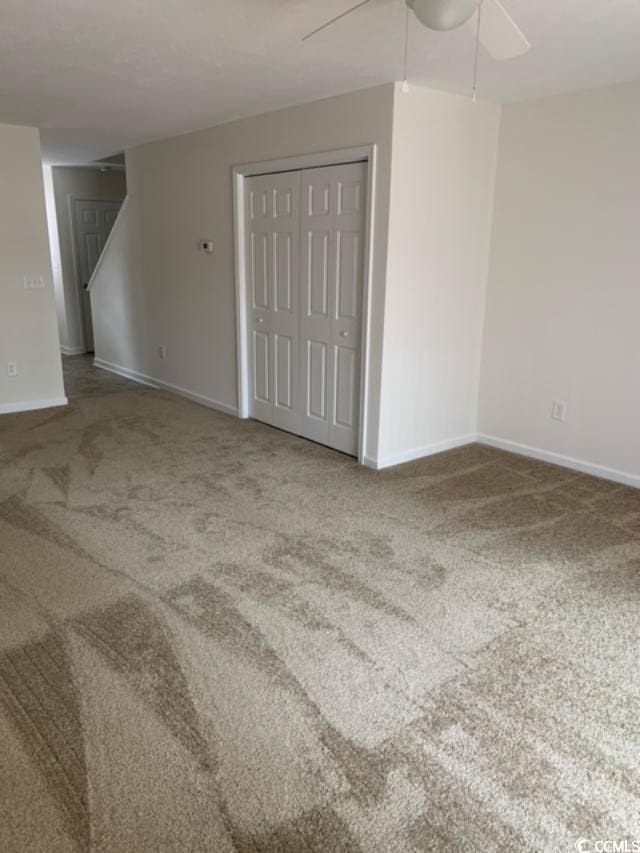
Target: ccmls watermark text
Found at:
584, 845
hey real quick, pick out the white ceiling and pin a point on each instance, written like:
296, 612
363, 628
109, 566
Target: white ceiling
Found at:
98, 77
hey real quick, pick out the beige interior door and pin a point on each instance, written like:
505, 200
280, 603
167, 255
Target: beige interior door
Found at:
92, 223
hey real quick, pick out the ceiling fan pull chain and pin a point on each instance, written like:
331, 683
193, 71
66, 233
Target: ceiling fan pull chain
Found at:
405, 81
474, 96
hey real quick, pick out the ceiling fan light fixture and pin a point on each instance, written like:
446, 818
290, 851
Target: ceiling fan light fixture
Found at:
443, 14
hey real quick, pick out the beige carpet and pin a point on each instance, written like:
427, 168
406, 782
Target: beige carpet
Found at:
215, 637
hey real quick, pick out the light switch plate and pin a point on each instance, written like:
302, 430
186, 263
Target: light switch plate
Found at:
34, 282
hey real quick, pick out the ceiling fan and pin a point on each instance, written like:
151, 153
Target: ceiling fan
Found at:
495, 29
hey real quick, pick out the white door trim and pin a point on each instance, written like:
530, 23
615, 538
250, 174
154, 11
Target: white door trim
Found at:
336, 157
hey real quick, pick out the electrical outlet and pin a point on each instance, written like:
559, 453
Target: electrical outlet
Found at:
162, 352
12, 368
559, 410
33, 282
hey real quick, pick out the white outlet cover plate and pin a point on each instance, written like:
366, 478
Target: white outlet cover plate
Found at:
559, 410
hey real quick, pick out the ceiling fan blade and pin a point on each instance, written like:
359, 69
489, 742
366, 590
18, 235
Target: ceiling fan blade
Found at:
499, 34
333, 20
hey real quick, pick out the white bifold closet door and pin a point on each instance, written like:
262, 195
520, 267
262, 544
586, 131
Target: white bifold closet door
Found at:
305, 265
332, 218
273, 271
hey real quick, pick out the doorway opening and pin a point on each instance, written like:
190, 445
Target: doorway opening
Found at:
82, 203
303, 267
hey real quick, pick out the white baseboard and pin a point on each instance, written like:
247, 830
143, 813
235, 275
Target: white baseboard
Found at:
580, 465
32, 405
392, 459
564, 461
418, 452
152, 382
72, 350
126, 372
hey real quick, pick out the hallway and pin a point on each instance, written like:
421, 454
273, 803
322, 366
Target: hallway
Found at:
82, 379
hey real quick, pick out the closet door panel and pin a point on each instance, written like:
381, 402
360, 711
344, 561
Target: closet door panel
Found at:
333, 219
272, 237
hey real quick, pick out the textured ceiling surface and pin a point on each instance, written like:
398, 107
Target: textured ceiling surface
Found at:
100, 77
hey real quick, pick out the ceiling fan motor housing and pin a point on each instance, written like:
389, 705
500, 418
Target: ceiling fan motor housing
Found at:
443, 14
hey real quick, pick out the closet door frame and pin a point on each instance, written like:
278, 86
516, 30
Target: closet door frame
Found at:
328, 158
